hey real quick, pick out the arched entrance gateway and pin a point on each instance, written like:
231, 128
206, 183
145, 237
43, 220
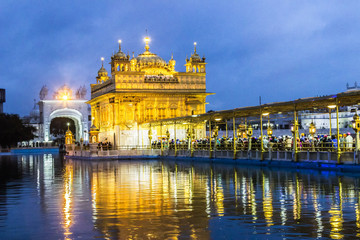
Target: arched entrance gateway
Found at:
64, 105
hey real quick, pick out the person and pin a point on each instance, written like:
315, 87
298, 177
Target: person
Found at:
334, 141
342, 140
265, 142
288, 143
349, 142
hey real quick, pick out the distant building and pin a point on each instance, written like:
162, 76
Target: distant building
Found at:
321, 117
2, 99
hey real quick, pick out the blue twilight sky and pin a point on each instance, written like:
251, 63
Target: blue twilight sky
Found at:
281, 50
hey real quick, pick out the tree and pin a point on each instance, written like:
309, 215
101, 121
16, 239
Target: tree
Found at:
13, 130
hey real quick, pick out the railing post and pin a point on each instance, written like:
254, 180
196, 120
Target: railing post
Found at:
295, 149
210, 148
261, 138
234, 137
338, 133
330, 122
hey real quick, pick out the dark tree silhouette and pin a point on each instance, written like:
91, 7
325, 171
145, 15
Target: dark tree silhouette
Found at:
13, 130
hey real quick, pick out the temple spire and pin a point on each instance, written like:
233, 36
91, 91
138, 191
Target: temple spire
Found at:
102, 62
147, 40
119, 41
195, 47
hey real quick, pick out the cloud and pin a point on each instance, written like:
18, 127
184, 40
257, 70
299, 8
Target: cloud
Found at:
280, 50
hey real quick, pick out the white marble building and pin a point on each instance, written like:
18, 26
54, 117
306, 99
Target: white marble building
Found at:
63, 103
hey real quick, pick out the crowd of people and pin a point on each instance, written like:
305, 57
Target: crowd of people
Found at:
105, 145
282, 143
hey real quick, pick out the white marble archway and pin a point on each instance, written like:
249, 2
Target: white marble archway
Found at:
81, 124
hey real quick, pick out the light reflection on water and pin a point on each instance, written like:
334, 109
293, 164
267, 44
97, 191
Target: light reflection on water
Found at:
43, 196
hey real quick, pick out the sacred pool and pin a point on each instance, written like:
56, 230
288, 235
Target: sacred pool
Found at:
45, 196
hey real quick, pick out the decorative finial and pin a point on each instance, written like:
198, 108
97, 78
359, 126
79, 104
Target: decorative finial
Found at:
102, 62
147, 40
119, 41
133, 54
172, 56
195, 47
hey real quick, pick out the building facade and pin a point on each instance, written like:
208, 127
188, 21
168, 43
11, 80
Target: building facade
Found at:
143, 89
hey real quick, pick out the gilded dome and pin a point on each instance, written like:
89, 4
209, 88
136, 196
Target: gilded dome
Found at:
150, 58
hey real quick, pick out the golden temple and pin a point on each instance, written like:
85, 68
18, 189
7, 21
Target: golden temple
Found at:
143, 89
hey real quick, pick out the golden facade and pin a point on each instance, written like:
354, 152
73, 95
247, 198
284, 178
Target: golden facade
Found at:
143, 89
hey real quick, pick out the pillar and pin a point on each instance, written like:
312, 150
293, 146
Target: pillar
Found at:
338, 133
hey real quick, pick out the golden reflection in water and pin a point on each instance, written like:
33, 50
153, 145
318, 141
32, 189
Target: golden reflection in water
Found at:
67, 215
94, 190
336, 217
219, 197
357, 211
170, 201
267, 201
297, 199
253, 201
130, 205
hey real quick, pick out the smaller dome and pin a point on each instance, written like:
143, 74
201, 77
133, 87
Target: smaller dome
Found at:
120, 54
102, 70
195, 57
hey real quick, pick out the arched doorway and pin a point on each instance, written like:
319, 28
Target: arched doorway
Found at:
58, 128
79, 123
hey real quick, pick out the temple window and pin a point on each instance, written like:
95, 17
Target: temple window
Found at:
149, 114
172, 112
161, 113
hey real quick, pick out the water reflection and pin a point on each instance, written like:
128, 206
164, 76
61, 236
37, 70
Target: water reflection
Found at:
169, 200
67, 215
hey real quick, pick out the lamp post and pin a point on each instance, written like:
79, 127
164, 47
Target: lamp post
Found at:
356, 127
150, 137
249, 133
215, 133
269, 131
294, 130
336, 107
330, 126
312, 131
